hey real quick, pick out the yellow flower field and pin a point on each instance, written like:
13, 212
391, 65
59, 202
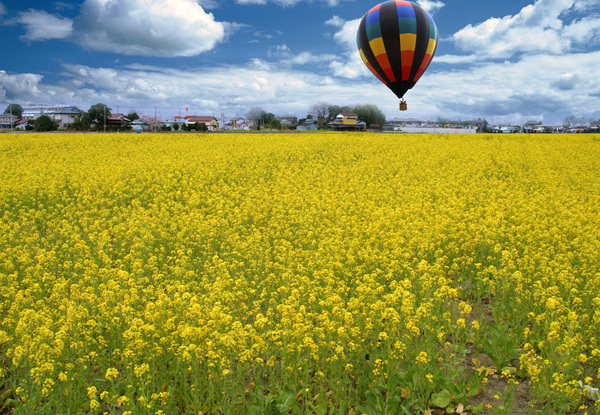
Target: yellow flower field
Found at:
299, 273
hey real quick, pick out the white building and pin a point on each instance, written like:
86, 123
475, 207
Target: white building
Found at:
63, 115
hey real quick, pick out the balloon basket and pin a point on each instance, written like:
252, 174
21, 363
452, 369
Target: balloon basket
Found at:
403, 105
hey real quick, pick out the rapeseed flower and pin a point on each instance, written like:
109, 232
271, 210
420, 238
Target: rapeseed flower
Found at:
147, 267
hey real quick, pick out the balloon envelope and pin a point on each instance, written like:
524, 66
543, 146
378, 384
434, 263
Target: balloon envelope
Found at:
396, 40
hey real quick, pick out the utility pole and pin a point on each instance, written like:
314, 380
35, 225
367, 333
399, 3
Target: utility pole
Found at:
104, 118
11, 119
155, 119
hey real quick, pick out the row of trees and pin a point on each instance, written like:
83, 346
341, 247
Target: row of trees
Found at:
322, 113
96, 117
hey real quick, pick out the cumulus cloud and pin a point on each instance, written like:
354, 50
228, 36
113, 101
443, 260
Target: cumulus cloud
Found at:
348, 64
432, 6
166, 28
536, 28
584, 31
231, 88
40, 25
567, 81
2, 10
336, 21
287, 57
346, 36
585, 5
286, 3
457, 59
550, 88
279, 51
19, 86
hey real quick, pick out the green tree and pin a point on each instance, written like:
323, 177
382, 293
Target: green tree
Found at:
370, 114
86, 122
175, 126
271, 121
132, 116
14, 109
98, 113
45, 123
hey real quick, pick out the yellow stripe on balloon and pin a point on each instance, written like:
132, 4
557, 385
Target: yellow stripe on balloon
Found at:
431, 46
408, 41
377, 46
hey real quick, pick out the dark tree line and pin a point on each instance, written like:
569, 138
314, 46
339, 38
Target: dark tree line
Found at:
324, 113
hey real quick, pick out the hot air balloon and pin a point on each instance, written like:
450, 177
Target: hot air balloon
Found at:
396, 40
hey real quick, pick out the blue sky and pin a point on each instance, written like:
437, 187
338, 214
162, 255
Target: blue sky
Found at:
506, 61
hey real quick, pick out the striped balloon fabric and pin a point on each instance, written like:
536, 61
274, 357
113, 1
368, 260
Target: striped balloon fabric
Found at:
396, 40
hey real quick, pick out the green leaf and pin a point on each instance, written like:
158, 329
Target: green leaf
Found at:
282, 408
286, 397
441, 399
366, 410
476, 409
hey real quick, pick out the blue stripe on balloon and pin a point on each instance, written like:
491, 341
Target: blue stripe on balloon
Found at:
373, 17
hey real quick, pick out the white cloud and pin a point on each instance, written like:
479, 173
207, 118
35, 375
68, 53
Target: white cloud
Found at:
305, 58
457, 59
40, 25
2, 10
550, 88
231, 88
286, 3
584, 31
567, 81
166, 28
336, 21
346, 36
584, 5
348, 64
289, 58
432, 6
279, 51
19, 86
536, 28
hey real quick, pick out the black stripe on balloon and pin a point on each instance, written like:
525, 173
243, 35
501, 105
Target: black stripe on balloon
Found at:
422, 40
388, 18
366, 48
432, 54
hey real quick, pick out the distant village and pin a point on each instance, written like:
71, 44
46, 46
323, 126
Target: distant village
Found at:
70, 118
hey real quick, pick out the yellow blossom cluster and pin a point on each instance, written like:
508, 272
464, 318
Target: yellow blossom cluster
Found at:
229, 273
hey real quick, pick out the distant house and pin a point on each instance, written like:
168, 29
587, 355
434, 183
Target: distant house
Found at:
347, 121
211, 122
533, 127
238, 124
139, 125
117, 120
577, 129
7, 120
61, 114
308, 124
287, 120
65, 116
